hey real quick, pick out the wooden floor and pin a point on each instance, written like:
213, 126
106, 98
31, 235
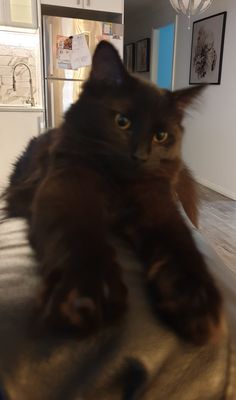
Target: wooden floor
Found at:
218, 224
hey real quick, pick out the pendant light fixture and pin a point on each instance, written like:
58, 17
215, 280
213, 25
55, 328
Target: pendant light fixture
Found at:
191, 7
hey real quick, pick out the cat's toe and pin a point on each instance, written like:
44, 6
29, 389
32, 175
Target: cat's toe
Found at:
191, 306
196, 325
202, 329
90, 312
77, 310
82, 306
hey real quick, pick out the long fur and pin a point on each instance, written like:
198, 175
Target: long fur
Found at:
77, 184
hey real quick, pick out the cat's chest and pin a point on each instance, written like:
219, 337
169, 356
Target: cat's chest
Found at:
125, 200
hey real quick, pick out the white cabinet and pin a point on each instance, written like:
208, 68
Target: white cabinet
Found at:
2, 12
115, 6
64, 3
19, 13
16, 130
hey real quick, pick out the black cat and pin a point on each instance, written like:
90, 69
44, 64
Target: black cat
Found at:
113, 167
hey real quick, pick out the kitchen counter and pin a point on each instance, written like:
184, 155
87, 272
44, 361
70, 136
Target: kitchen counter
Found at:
21, 109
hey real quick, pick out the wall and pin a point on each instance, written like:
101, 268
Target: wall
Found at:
210, 141
140, 22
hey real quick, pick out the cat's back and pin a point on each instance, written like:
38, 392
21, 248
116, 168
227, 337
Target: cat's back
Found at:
28, 170
37, 149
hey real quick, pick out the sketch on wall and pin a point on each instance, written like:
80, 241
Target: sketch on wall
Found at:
142, 55
207, 49
129, 56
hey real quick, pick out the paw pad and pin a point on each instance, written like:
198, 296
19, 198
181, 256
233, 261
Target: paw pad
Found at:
74, 306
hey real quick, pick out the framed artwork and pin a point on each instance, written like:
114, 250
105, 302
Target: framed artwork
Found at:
142, 55
207, 49
129, 56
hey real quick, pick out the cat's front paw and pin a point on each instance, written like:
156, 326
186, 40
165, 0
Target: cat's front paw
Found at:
80, 304
186, 300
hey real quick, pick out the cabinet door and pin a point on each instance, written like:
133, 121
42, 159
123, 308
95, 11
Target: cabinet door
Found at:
21, 13
64, 3
116, 6
17, 128
2, 12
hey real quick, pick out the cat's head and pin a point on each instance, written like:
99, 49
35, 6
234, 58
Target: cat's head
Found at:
118, 108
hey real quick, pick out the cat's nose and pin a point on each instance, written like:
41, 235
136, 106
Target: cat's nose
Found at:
140, 155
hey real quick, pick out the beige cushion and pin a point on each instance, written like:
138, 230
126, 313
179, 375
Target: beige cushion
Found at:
44, 367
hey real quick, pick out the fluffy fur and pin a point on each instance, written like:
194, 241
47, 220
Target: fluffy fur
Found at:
110, 169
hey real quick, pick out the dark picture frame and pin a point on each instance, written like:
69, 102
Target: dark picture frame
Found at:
129, 56
207, 49
142, 55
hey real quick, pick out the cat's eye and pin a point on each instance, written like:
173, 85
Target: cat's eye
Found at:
160, 137
122, 121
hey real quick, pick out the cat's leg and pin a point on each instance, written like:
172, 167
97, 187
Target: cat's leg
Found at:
82, 283
182, 290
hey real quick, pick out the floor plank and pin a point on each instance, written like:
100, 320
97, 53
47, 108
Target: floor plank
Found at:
218, 224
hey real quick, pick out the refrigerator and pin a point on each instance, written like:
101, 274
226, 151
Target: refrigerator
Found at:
63, 79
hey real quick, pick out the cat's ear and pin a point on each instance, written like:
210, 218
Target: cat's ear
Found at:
186, 97
107, 65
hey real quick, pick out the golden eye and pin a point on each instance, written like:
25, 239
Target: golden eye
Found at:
160, 137
122, 121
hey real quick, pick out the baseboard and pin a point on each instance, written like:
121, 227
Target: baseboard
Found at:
216, 188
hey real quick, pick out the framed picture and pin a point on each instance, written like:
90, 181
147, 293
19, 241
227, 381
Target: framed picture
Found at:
207, 49
142, 55
129, 56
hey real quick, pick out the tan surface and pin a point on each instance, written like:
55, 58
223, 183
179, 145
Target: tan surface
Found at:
53, 368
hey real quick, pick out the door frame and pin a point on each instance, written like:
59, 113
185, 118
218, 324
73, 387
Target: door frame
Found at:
154, 49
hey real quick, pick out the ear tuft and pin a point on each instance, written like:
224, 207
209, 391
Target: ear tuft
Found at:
186, 97
107, 64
